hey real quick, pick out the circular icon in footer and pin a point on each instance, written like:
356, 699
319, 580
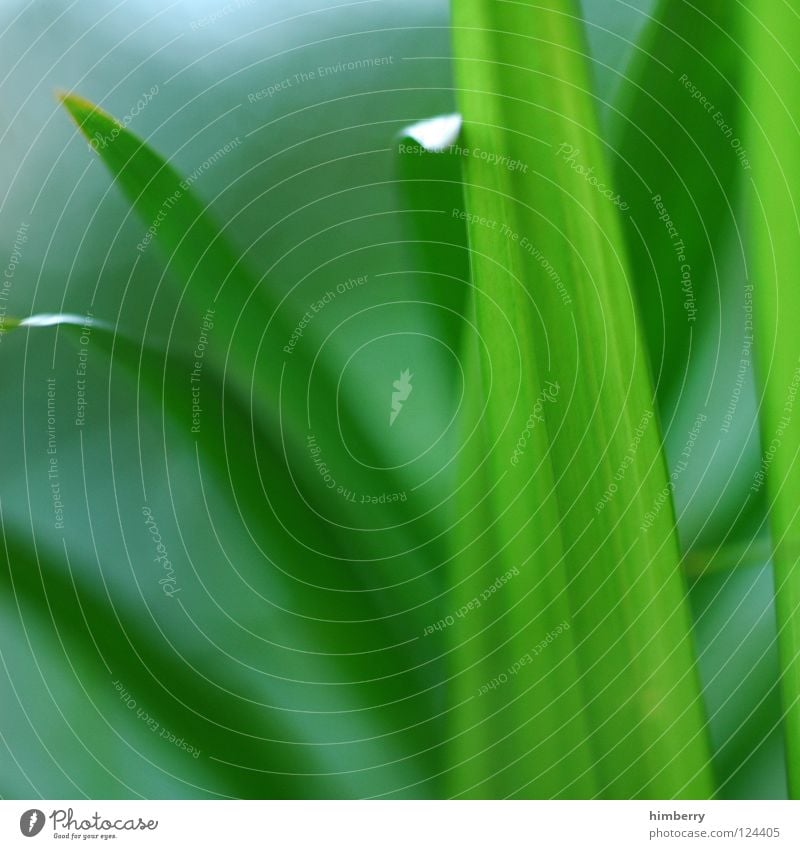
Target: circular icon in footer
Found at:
31, 822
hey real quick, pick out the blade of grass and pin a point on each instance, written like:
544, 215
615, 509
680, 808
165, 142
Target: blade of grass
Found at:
682, 92
430, 190
677, 154
171, 676
687, 61
394, 699
611, 708
255, 330
774, 139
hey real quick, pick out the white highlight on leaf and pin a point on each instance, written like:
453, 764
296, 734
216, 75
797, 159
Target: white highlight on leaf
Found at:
436, 134
52, 319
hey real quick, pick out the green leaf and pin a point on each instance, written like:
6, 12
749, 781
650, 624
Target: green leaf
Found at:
774, 139
679, 162
430, 192
327, 707
667, 138
94, 634
286, 392
593, 634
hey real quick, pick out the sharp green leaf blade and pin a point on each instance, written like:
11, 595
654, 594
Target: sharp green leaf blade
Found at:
774, 137
296, 395
680, 161
597, 691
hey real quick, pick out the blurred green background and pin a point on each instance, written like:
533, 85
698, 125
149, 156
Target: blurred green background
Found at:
293, 657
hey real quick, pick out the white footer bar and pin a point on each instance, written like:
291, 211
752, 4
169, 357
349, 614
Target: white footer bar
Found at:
401, 825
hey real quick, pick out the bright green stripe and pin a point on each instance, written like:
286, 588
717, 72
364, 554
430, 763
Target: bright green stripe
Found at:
774, 140
618, 690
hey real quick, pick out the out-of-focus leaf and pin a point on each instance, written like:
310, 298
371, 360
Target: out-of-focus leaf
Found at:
676, 169
703, 562
430, 191
286, 390
171, 678
738, 664
382, 695
679, 163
